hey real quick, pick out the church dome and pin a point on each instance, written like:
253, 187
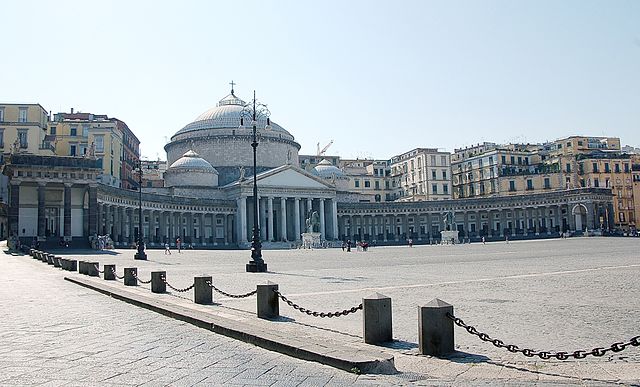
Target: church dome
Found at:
225, 115
326, 169
192, 161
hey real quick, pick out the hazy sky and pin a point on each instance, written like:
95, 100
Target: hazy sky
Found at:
378, 78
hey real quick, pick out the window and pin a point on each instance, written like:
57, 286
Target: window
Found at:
444, 174
445, 188
504, 159
568, 168
53, 130
22, 136
519, 160
526, 161
433, 174
377, 184
433, 160
357, 183
85, 130
434, 188
367, 184
72, 150
1, 114
547, 183
606, 168
74, 131
99, 143
22, 117
596, 182
529, 184
513, 159
443, 160
626, 168
595, 167
617, 167
512, 185
1, 138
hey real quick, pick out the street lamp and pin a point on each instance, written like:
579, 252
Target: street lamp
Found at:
255, 111
140, 254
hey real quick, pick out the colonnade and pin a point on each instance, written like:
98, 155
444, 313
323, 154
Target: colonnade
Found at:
282, 218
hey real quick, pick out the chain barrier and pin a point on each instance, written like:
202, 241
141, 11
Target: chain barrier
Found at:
98, 269
229, 294
317, 314
164, 279
135, 275
580, 354
116, 274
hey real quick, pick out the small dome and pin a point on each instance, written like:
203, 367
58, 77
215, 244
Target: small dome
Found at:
326, 169
192, 161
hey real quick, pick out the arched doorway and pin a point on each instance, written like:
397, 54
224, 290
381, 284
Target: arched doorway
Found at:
579, 213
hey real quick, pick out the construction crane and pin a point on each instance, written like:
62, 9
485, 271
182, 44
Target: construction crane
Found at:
322, 151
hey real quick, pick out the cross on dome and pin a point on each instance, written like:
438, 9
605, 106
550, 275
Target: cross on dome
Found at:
232, 84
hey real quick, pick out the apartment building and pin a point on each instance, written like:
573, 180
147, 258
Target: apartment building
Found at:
421, 174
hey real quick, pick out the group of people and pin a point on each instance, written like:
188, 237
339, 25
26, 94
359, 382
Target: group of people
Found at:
360, 246
167, 247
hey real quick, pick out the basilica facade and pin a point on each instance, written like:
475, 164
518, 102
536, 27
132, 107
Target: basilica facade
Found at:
207, 199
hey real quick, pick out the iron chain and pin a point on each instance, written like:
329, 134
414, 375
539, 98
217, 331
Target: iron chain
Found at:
135, 275
317, 314
545, 355
164, 279
98, 269
116, 274
231, 295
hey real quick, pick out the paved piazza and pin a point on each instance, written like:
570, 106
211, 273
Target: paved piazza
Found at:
555, 295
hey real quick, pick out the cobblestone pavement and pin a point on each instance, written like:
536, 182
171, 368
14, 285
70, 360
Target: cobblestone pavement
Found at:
556, 295
53, 332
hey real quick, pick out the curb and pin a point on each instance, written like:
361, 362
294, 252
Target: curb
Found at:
342, 357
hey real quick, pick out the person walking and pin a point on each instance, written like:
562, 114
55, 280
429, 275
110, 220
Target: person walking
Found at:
179, 245
167, 250
483, 240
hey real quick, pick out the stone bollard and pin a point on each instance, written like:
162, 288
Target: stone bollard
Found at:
202, 292
130, 276
81, 267
157, 282
73, 265
43, 256
93, 269
108, 272
32, 251
377, 322
64, 263
268, 305
56, 261
435, 329
50, 259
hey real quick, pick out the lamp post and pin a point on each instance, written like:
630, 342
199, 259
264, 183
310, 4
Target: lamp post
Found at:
255, 111
140, 254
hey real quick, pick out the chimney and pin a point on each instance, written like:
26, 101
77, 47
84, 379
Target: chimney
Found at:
71, 110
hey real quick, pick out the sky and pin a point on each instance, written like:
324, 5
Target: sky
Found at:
378, 78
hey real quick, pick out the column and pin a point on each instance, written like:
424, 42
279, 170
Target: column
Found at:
334, 219
465, 228
296, 213
93, 213
131, 235
117, 224
202, 227
503, 221
269, 231
321, 210
14, 209
67, 212
590, 216
309, 207
41, 219
283, 219
242, 219
107, 219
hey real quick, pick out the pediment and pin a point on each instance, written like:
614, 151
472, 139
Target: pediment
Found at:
290, 178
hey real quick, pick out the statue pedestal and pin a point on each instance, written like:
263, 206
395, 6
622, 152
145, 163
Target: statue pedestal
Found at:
310, 240
449, 237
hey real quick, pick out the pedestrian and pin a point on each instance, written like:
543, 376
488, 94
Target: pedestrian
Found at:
483, 242
179, 245
167, 250
410, 241
506, 238
349, 246
344, 244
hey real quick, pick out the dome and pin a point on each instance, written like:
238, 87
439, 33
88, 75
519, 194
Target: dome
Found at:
192, 161
326, 169
226, 115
